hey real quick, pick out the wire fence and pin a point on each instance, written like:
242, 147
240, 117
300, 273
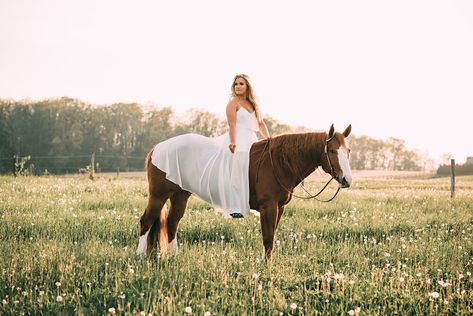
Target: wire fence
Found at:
38, 165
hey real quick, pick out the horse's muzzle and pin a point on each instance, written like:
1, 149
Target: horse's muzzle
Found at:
344, 183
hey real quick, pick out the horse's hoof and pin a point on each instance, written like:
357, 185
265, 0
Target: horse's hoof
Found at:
236, 215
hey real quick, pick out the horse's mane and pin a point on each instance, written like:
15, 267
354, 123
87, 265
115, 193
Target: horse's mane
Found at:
292, 151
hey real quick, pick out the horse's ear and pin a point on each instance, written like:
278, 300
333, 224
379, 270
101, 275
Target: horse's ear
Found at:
331, 132
347, 131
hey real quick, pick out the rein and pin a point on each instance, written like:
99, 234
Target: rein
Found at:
268, 145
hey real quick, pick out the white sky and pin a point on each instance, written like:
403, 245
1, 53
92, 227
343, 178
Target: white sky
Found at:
391, 68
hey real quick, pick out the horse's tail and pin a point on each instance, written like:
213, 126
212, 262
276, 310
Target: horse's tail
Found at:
148, 159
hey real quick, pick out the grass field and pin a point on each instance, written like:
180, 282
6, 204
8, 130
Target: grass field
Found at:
382, 247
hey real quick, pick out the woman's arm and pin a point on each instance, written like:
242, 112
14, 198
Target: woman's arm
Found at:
263, 129
231, 119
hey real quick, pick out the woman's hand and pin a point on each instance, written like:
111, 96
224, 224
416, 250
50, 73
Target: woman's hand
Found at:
232, 147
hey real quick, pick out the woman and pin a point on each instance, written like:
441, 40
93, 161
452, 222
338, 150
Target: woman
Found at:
216, 168
244, 119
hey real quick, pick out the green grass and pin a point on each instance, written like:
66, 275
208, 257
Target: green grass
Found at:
384, 246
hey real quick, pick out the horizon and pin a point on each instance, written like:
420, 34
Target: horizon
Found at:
399, 70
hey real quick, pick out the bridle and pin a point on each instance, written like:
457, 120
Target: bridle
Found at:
310, 196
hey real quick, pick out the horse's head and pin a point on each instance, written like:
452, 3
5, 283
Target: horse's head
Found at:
337, 155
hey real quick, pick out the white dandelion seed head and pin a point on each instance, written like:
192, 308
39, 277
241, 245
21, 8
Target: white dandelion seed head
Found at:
59, 299
293, 306
207, 314
111, 310
188, 310
351, 312
58, 284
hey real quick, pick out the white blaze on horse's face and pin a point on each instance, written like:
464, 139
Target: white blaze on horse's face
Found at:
345, 166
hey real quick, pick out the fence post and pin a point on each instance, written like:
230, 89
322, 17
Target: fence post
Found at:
92, 162
452, 178
14, 164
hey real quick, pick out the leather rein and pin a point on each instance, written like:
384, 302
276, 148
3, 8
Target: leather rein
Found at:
311, 196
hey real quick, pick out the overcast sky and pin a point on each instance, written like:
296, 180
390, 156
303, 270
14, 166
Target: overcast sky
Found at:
399, 69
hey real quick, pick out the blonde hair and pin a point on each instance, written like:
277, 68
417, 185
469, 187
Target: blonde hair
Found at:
249, 95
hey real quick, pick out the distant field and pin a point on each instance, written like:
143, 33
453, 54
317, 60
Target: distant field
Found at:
388, 245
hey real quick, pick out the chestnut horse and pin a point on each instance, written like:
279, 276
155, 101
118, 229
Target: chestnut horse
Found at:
277, 165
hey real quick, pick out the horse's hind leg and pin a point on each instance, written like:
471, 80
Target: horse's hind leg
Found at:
178, 207
150, 223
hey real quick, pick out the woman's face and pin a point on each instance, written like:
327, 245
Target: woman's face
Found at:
240, 86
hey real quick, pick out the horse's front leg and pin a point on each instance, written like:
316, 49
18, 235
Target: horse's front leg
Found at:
269, 219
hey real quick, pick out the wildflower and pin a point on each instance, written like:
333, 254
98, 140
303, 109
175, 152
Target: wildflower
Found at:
58, 284
351, 282
4, 302
293, 306
387, 254
131, 271
255, 276
59, 299
111, 310
207, 314
188, 310
338, 276
434, 295
401, 279
357, 310
351, 312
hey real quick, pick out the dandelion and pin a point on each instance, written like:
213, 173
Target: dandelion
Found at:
387, 254
58, 284
468, 273
351, 312
131, 271
357, 310
351, 282
111, 310
4, 302
188, 310
255, 276
207, 314
59, 299
401, 279
434, 295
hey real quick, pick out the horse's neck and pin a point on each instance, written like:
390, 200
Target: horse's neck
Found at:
300, 154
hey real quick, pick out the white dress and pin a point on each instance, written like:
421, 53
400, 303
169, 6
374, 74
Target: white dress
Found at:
205, 166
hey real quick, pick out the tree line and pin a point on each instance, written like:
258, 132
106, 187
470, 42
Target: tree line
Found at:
60, 136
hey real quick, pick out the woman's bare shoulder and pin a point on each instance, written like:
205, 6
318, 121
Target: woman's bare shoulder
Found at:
232, 103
